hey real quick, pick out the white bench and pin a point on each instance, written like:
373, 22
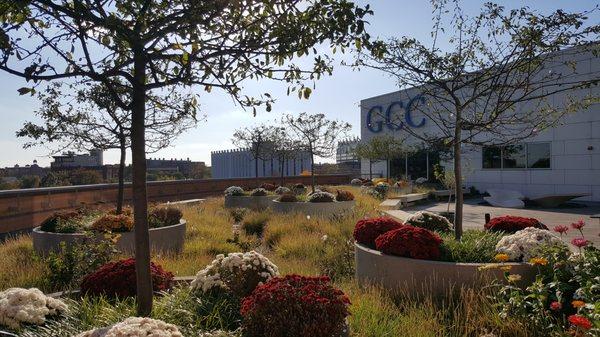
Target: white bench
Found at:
410, 198
445, 193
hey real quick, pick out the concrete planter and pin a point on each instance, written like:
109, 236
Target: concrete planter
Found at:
313, 208
164, 239
255, 203
437, 278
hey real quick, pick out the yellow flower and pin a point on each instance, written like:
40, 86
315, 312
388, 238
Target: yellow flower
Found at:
506, 268
578, 304
501, 257
538, 261
514, 277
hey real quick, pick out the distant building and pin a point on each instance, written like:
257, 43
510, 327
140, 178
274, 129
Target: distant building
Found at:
185, 166
345, 151
240, 163
70, 160
27, 170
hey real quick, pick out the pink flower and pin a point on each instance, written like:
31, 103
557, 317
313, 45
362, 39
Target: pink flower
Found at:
561, 229
579, 242
555, 306
578, 225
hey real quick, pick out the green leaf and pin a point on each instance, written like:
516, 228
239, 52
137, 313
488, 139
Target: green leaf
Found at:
25, 91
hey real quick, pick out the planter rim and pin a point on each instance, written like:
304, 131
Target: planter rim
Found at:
434, 262
38, 230
308, 202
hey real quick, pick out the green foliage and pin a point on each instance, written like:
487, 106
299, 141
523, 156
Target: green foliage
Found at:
255, 225
53, 179
72, 262
162, 216
238, 214
30, 181
85, 177
475, 246
336, 257
62, 222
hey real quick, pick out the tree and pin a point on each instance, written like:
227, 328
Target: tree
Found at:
284, 148
366, 150
491, 84
317, 135
83, 176
257, 140
386, 148
86, 117
144, 47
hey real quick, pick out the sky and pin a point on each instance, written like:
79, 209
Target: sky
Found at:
337, 96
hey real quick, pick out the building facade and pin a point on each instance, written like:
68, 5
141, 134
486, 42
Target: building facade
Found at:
240, 163
72, 160
561, 160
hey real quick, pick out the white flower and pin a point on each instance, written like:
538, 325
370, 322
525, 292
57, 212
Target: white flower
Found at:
324, 238
29, 306
236, 272
282, 190
522, 245
234, 191
136, 327
220, 333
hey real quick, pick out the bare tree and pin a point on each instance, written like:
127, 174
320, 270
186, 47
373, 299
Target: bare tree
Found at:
317, 135
258, 140
85, 117
285, 148
491, 85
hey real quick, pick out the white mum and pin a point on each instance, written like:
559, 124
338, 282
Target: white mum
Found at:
27, 306
282, 190
429, 220
234, 190
521, 245
220, 333
239, 273
136, 327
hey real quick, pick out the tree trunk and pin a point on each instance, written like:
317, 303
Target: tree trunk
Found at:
281, 162
370, 169
458, 199
387, 170
312, 171
121, 188
256, 167
140, 198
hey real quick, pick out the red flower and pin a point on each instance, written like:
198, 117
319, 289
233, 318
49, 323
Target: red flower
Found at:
117, 279
512, 224
555, 306
295, 305
367, 230
409, 241
580, 322
561, 229
578, 225
579, 242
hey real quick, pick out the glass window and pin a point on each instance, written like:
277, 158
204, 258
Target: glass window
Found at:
492, 157
538, 155
514, 156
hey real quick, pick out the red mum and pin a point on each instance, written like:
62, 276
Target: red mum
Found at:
117, 279
295, 305
409, 241
580, 322
512, 224
367, 230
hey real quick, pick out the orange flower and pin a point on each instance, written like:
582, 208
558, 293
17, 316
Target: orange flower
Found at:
538, 261
578, 304
501, 257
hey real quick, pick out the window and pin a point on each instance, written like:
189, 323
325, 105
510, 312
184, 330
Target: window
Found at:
538, 155
514, 156
532, 156
492, 157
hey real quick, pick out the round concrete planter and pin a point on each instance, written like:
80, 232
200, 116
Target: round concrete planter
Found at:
164, 239
437, 278
313, 208
255, 203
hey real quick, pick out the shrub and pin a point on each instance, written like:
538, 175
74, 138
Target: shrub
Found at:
356, 182
409, 241
236, 273
238, 214
164, 216
20, 306
344, 196
259, 192
367, 230
268, 186
320, 196
117, 279
295, 306
431, 221
368, 183
136, 327
256, 224
512, 224
127, 210
68, 266
234, 191
299, 186
281, 190
59, 220
475, 246
113, 223
523, 245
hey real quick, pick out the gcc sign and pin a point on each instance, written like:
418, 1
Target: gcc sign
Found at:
377, 110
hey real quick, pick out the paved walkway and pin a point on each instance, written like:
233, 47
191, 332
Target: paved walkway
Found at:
474, 216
